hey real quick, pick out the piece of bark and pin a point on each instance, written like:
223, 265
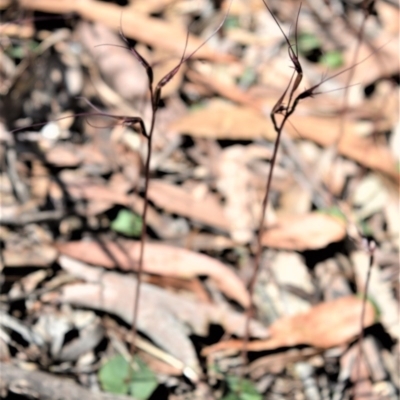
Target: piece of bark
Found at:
45, 386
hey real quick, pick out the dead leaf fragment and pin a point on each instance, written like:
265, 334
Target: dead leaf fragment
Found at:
32, 256
225, 121
63, 156
174, 199
152, 31
158, 259
325, 325
304, 232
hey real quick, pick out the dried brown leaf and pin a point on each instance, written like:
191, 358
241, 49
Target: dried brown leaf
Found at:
158, 259
304, 232
353, 144
63, 155
88, 191
326, 325
174, 199
38, 255
152, 31
220, 120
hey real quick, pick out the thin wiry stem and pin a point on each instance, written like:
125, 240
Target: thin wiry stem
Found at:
143, 231
155, 96
286, 111
344, 109
371, 250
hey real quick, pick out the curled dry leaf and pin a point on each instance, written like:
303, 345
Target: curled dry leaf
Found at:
304, 232
158, 259
325, 325
162, 314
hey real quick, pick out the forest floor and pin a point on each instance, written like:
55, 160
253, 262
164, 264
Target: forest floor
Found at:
72, 185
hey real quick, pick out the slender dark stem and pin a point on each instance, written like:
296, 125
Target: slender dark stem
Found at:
155, 95
144, 219
344, 109
261, 229
371, 250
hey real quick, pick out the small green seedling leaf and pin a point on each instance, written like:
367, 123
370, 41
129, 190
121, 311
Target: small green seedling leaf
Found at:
115, 376
143, 381
308, 42
127, 223
366, 229
248, 77
334, 212
200, 105
241, 389
332, 59
231, 396
22, 51
232, 22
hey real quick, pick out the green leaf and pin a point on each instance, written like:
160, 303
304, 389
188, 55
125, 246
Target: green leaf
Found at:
127, 223
231, 396
308, 42
334, 212
201, 105
113, 374
231, 22
22, 51
116, 376
366, 229
248, 77
243, 389
332, 59
143, 381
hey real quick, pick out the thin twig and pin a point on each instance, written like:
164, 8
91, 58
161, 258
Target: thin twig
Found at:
371, 246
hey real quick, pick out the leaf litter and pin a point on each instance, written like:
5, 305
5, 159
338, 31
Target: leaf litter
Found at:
72, 199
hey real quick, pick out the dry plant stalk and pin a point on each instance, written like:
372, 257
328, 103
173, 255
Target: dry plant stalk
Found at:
284, 108
155, 91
